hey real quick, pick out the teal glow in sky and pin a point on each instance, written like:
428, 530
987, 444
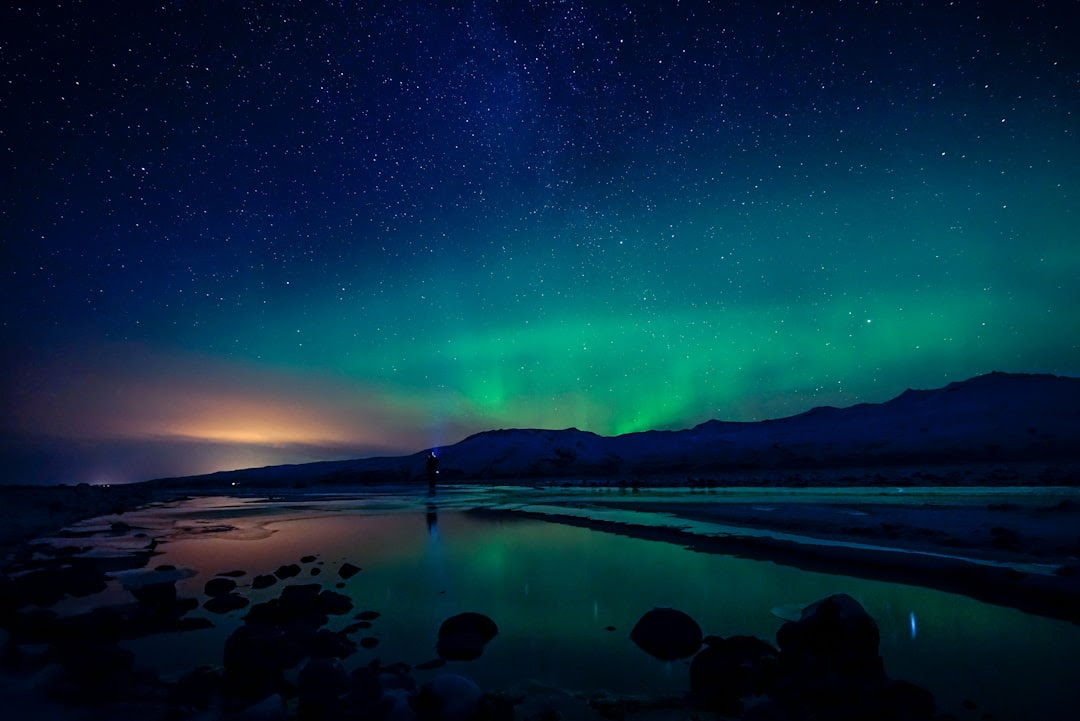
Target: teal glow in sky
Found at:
248, 234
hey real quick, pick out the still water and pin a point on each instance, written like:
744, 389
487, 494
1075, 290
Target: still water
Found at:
554, 590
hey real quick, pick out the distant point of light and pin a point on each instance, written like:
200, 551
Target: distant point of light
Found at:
911, 618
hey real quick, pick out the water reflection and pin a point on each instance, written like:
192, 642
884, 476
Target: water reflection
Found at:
432, 517
557, 591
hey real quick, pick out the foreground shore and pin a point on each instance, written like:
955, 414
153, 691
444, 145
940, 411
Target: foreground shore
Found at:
1014, 547
1004, 546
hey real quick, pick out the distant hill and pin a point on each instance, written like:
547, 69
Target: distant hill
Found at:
998, 417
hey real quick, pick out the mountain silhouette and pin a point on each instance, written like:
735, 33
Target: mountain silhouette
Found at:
992, 418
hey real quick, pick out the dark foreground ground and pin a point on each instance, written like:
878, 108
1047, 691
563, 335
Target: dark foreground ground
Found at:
1022, 554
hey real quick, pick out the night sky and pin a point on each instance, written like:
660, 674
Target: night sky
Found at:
238, 234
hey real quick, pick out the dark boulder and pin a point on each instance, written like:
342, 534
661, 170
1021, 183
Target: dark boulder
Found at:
94, 672
335, 644
367, 615
254, 663
35, 625
462, 637
833, 634
219, 587
321, 683
334, 604
667, 634
297, 606
263, 581
46, 586
196, 689
448, 697
287, 571
304, 604
728, 670
308, 559
8, 597
348, 570
225, 604
158, 597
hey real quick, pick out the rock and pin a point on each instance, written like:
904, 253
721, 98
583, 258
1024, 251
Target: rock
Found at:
197, 688
119, 528
308, 559
23, 658
219, 586
159, 597
728, 670
448, 697
765, 708
233, 574
358, 626
835, 634
320, 684
225, 604
271, 708
348, 570
334, 604
301, 603
369, 642
316, 571
394, 705
46, 586
667, 634
263, 582
254, 661
335, 644
462, 637
368, 695
94, 670
367, 615
288, 571
38, 625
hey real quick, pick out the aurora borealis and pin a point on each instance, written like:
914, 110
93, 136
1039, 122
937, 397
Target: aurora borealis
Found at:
237, 234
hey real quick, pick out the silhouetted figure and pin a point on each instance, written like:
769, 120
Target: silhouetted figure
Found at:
432, 471
432, 517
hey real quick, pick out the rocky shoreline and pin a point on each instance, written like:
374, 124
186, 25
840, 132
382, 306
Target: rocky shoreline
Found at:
284, 662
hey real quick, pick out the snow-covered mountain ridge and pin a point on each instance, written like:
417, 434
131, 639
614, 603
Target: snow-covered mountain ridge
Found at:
998, 417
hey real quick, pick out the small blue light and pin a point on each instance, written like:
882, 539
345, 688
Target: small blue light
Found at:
911, 616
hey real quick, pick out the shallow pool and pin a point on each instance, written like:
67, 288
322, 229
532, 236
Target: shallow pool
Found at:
554, 591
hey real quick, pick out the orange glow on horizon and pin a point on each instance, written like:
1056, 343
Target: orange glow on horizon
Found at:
178, 398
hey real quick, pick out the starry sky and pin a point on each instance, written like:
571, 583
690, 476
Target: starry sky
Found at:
246, 233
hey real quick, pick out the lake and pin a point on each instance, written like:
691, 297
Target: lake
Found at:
554, 590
